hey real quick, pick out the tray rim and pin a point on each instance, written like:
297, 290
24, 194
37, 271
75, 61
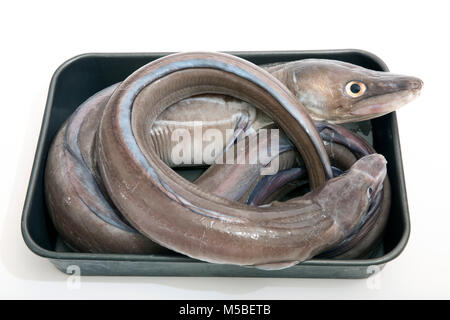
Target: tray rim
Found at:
76, 256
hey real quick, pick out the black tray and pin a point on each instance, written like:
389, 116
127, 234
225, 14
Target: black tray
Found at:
80, 77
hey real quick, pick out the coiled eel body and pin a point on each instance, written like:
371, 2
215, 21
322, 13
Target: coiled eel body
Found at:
135, 177
178, 215
344, 148
78, 205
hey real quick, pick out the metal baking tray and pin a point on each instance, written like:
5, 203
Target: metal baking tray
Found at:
80, 77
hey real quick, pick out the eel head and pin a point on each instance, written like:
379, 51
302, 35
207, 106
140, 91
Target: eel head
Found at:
341, 92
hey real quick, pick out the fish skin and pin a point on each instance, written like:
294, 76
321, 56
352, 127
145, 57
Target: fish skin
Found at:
90, 221
344, 148
265, 189
80, 211
369, 234
184, 218
205, 112
319, 84
95, 237
249, 118
233, 180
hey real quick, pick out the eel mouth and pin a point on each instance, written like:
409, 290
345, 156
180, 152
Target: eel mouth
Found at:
388, 97
380, 105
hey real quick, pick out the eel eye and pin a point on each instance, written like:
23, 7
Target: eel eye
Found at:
369, 192
355, 89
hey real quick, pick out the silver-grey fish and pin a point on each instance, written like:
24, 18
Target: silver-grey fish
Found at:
330, 90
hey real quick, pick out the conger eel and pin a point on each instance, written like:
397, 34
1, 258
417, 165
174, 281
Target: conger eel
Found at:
178, 214
330, 90
344, 148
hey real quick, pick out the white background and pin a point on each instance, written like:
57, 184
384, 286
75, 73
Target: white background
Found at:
411, 37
